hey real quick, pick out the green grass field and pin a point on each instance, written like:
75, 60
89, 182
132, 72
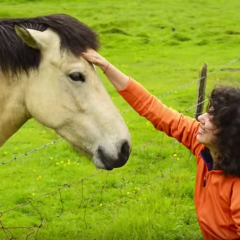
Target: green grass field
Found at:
163, 45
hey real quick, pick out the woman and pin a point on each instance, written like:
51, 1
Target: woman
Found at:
214, 140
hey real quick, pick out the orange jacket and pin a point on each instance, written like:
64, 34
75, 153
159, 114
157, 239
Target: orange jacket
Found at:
216, 197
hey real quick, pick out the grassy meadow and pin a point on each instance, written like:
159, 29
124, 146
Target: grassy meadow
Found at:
163, 45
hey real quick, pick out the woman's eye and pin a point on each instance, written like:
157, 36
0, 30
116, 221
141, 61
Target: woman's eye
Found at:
77, 76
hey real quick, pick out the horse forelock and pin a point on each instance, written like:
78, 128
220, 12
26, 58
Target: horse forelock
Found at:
16, 56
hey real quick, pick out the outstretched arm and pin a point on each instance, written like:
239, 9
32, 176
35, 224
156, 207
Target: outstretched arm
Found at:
116, 77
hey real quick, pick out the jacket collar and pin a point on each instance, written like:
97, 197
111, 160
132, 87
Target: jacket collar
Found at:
207, 157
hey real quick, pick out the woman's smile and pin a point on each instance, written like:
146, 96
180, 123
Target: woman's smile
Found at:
206, 131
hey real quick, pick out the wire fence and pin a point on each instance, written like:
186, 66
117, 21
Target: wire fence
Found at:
116, 203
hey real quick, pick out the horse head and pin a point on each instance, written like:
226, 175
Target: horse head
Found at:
63, 92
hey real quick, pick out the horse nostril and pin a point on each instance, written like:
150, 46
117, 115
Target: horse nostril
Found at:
125, 151
117, 161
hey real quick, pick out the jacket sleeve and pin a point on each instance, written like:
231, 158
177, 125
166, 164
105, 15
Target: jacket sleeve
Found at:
174, 124
235, 205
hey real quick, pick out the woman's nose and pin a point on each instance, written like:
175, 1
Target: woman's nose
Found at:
201, 117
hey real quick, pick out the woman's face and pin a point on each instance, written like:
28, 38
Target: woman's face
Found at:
207, 130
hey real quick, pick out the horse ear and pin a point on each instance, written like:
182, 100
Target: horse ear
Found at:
32, 38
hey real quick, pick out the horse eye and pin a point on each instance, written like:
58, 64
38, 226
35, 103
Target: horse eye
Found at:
77, 76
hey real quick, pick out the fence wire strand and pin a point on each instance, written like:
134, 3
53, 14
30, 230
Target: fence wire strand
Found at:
32, 151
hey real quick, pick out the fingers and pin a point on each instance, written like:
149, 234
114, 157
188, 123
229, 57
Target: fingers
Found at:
93, 57
85, 55
90, 55
91, 51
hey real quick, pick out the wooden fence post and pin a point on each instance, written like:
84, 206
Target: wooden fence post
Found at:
201, 91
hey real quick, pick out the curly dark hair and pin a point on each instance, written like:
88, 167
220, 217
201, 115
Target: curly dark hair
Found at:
224, 107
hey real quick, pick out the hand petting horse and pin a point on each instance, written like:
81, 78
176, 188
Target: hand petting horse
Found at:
43, 76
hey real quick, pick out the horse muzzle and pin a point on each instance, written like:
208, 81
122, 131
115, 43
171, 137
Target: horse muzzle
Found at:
109, 162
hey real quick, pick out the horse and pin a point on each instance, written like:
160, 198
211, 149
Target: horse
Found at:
43, 76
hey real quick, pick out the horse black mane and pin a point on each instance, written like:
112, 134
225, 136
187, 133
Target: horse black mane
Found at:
16, 56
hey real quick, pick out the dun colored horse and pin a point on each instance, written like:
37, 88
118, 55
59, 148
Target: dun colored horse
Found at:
43, 76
